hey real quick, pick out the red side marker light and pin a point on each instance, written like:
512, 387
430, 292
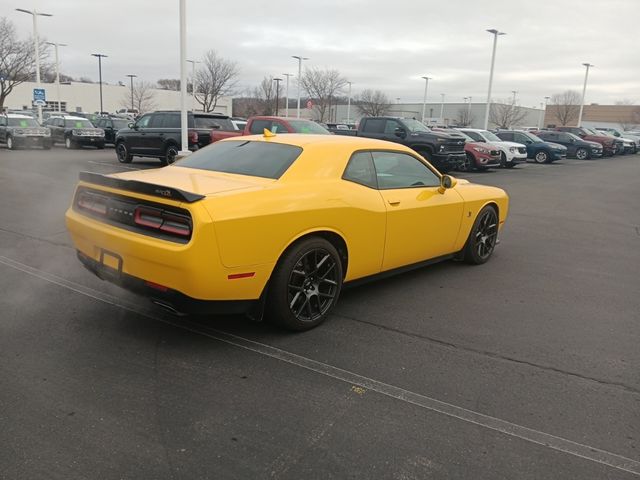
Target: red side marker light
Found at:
156, 286
235, 276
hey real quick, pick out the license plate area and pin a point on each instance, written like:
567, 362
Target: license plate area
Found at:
110, 264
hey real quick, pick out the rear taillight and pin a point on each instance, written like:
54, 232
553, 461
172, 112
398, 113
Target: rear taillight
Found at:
162, 220
193, 136
93, 203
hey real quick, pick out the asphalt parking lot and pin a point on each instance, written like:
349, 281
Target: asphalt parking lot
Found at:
524, 368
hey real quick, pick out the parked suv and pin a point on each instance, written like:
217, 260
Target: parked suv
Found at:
537, 149
75, 131
480, 156
158, 134
111, 126
635, 138
23, 131
610, 145
576, 147
511, 153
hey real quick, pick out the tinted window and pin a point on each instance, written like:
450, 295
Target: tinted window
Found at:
157, 120
374, 125
118, 124
258, 159
166, 120
213, 122
143, 121
508, 137
360, 170
564, 137
521, 138
390, 127
399, 170
278, 127
258, 126
475, 135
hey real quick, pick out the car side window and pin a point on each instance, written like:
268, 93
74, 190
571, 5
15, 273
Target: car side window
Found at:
59, 122
360, 170
564, 137
475, 135
143, 121
520, 138
3, 122
390, 127
258, 126
278, 127
167, 120
401, 170
506, 136
157, 120
374, 125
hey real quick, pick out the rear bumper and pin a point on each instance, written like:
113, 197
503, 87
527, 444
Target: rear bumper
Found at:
170, 299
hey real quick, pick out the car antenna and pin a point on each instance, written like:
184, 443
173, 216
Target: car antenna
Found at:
268, 133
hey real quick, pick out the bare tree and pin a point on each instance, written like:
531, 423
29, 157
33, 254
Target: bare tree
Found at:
216, 78
169, 84
566, 106
464, 117
506, 114
143, 97
322, 85
16, 60
372, 103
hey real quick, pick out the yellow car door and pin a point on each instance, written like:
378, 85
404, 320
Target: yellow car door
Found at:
422, 222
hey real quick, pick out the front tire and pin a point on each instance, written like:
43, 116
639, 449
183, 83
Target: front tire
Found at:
582, 154
100, 146
482, 238
69, 144
541, 157
10, 144
122, 152
305, 285
468, 164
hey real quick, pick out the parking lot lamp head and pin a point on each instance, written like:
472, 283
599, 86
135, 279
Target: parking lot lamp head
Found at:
584, 91
495, 34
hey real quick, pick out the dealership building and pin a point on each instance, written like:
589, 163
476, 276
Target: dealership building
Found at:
85, 97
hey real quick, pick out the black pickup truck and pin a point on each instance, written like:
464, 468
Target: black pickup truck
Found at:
157, 134
444, 151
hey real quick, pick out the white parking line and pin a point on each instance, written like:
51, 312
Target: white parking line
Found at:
553, 442
111, 165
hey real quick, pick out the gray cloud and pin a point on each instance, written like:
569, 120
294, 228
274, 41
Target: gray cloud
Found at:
375, 44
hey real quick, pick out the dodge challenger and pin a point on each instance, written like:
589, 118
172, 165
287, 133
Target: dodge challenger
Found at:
274, 225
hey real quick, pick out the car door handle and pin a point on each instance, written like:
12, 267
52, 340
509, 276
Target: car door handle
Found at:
393, 202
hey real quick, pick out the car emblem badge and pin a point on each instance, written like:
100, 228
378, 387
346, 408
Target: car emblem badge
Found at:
164, 193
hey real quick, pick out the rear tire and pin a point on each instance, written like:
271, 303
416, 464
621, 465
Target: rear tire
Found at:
305, 285
122, 152
482, 238
170, 154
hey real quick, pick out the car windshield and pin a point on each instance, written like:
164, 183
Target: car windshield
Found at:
573, 136
118, 124
22, 122
304, 126
491, 137
588, 131
415, 125
258, 159
220, 123
79, 123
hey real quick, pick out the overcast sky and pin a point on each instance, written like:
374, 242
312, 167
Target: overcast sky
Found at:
375, 44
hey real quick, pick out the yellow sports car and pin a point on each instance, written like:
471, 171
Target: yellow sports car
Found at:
275, 224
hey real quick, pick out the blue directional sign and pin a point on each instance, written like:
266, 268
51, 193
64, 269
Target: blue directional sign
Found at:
39, 94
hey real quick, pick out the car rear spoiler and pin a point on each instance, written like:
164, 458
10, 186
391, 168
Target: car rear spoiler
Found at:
140, 187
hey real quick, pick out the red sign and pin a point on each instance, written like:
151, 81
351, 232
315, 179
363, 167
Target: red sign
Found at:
309, 104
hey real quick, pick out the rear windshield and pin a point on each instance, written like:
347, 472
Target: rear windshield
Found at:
118, 124
305, 126
258, 159
78, 123
22, 122
212, 122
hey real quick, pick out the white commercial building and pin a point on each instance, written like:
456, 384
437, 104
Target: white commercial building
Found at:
85, 97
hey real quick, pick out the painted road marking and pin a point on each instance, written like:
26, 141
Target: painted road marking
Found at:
531, 435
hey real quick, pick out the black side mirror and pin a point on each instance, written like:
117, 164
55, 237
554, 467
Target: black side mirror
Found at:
528, 142
400, 132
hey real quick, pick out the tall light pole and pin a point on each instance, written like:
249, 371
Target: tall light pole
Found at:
442, 109
193, 82
100, 57
56, 45
349, 104
584, 91
277, 80
131, 77
469, 111
514, 96
493, 60
300, 59
286, 94
544, 113
184, 119
424, 99
36, 45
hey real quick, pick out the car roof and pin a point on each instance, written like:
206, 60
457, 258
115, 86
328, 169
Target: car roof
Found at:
305, 139
71, 117
18, 115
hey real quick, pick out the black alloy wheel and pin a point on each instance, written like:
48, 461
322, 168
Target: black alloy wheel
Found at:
306, 285
122, 152
483, 237
170, 154
582, 154
468, 163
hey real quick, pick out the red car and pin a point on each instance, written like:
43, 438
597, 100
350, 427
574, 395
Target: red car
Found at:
256, 125
480, 156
